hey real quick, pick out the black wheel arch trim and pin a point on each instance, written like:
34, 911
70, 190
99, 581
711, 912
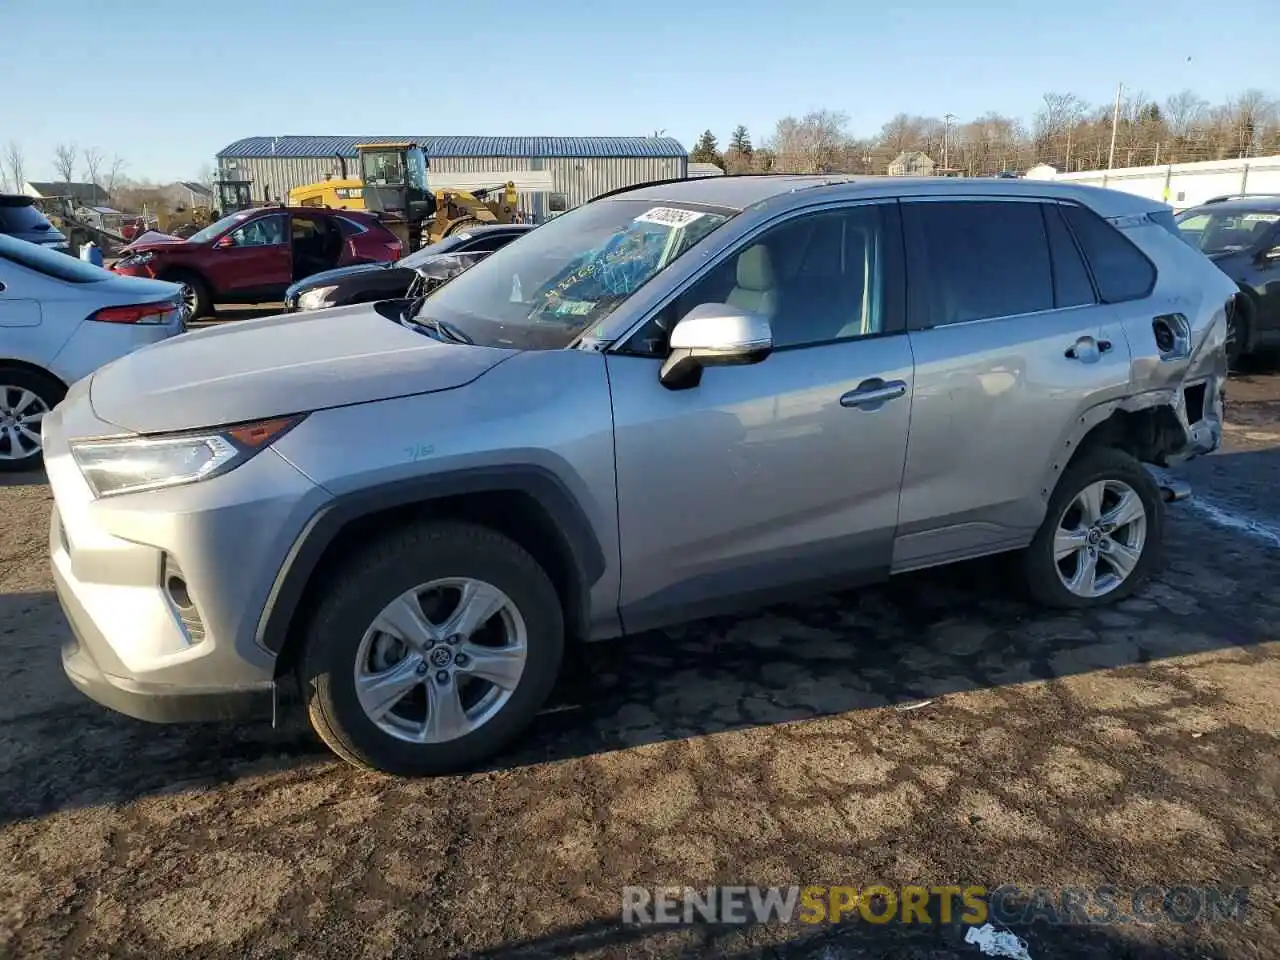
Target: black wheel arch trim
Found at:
325, 524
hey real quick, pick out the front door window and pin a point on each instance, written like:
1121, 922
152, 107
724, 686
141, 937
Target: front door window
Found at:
266, 231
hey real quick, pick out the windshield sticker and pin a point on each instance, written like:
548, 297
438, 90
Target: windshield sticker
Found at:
1264, 217
670, 216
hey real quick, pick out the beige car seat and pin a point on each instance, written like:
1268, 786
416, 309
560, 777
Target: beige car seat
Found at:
755, 290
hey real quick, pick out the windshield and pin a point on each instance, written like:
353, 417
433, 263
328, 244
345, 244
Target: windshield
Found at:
1226, 231
423, 254
215, 228
569, 274
383, 168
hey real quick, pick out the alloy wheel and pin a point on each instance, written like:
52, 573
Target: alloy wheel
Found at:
21, 414
1099, 538
189, 301
441, 660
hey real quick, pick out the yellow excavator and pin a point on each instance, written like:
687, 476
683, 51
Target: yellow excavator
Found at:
394, 184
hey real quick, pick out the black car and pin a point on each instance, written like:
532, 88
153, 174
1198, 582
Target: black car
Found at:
1241, 234
21, 218
370, 282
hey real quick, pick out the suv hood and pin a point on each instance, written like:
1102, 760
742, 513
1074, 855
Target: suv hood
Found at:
254, 369
156, 241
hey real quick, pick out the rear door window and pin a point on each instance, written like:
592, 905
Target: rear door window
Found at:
1071, 285
1120, 270
976, 260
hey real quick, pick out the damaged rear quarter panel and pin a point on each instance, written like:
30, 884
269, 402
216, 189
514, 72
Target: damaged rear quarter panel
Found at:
1193, 294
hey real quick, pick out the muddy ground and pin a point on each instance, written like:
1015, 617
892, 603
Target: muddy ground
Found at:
937, 730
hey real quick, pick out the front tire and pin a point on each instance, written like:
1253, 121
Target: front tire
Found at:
434, 649
25, 397
195, 295
1101, 536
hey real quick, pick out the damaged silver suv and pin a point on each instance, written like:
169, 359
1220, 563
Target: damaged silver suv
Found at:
683, 398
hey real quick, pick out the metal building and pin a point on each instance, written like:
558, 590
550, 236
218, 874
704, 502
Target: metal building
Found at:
580, 167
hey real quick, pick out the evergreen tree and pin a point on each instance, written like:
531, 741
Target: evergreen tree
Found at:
707, 149
740, 141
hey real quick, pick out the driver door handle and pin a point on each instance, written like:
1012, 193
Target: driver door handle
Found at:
873, 392
1087, 349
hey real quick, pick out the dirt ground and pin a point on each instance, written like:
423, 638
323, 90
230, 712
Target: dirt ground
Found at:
937, 730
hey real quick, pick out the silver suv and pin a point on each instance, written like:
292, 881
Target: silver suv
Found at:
680, 399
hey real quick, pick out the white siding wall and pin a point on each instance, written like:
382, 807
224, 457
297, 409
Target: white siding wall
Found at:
1187, 184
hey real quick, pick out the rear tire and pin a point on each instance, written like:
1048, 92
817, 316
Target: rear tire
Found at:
25, 397
355, 645
1081, 544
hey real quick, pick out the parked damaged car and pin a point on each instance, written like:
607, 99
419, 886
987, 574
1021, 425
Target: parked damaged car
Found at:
417, 274
681, 399
252, 256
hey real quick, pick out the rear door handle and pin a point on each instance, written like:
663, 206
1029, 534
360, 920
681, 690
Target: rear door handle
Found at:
1087, 349
873, 392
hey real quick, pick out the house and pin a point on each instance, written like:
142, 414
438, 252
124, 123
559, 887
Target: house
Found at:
912, 163
84, 194
698, 169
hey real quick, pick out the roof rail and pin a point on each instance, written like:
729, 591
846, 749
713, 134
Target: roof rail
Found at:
1241, 196
726, 176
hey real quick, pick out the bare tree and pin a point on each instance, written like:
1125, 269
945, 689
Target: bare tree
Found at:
1055, 125
64, 161
1183, 111
15, 160
812, 144
1251, 113
92, 164
901, 133
113, 175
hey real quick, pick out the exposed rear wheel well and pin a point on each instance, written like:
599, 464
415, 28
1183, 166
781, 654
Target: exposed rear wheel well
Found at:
513, 513
1149, 435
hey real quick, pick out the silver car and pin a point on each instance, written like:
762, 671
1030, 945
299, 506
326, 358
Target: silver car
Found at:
686, 398
61, 319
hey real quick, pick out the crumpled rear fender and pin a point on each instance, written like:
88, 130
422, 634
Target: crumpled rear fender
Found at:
1174, 411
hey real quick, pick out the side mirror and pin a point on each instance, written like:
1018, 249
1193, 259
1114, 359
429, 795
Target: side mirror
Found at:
714, 335
224, 242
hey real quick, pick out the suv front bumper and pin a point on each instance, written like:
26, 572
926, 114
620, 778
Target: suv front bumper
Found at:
163, 589
143, 700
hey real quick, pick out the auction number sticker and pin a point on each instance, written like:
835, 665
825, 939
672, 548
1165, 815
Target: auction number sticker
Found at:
669, 216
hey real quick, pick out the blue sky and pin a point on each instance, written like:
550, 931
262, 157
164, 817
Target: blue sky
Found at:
166, 83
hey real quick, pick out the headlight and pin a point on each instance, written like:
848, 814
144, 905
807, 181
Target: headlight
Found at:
134, 464
316, 299
137, 259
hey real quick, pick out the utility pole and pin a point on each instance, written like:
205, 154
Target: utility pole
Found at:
946, 141
1115, 122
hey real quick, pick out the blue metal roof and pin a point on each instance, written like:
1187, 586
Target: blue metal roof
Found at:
293, 146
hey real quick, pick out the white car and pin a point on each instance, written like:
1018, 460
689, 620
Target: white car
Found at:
60, 320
